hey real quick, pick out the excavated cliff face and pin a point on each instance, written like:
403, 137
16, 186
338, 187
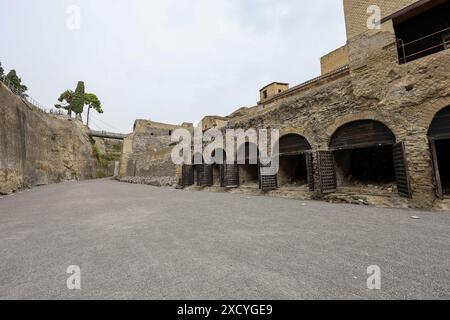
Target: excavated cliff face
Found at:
38, 148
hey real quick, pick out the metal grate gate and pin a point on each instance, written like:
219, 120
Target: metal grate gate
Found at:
231, 175
200, 169
437, 175
187, 175
206, 177
222, 175
327, 172
401, 170
267, 182
310, 170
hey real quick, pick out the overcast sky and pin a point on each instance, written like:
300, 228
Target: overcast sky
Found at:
167, 60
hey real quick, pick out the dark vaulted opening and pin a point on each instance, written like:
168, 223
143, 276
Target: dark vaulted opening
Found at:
218, 168
364, 157
365, 166
249, 171
439, 136
293, 170
443, 159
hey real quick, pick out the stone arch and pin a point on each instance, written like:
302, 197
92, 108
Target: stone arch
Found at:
219, 168
295, 161
439, 126
293, 143
248, 171
439, 139
353, 135
300, 132
361, 154
431, 109
369, 115
213, 154
248, 146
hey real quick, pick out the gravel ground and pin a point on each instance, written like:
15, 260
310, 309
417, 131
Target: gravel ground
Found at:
142, 242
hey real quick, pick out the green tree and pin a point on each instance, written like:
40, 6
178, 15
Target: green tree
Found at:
68, 102
65, 100
17, 83
72, 101
2, 71
78, 99
92, 102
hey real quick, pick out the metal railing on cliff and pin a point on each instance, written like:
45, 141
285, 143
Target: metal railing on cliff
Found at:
33, 103
30, 100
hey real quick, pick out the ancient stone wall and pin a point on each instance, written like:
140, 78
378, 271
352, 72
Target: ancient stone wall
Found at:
146, 156
404, 97
37, 148
374, 86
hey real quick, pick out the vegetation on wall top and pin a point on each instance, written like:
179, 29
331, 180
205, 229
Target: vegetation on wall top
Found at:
14, 80
75, 101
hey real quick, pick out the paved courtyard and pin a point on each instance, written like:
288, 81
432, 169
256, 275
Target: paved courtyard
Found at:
141, 242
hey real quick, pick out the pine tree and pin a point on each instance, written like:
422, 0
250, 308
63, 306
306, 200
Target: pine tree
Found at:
71, 104
92, 102
17, 83
65, 100
77, 104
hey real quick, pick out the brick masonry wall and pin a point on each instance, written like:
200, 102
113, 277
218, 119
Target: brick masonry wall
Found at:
356, 13
334, 60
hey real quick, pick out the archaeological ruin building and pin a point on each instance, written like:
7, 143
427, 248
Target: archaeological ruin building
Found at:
374, 128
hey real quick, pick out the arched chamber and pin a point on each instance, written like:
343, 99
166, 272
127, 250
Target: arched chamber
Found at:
295, 163
364, 156
218, 168
439, 137
248, 163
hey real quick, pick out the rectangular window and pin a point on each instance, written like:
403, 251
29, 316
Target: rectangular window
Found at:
423, 32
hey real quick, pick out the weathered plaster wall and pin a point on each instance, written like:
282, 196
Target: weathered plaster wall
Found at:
38, 148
